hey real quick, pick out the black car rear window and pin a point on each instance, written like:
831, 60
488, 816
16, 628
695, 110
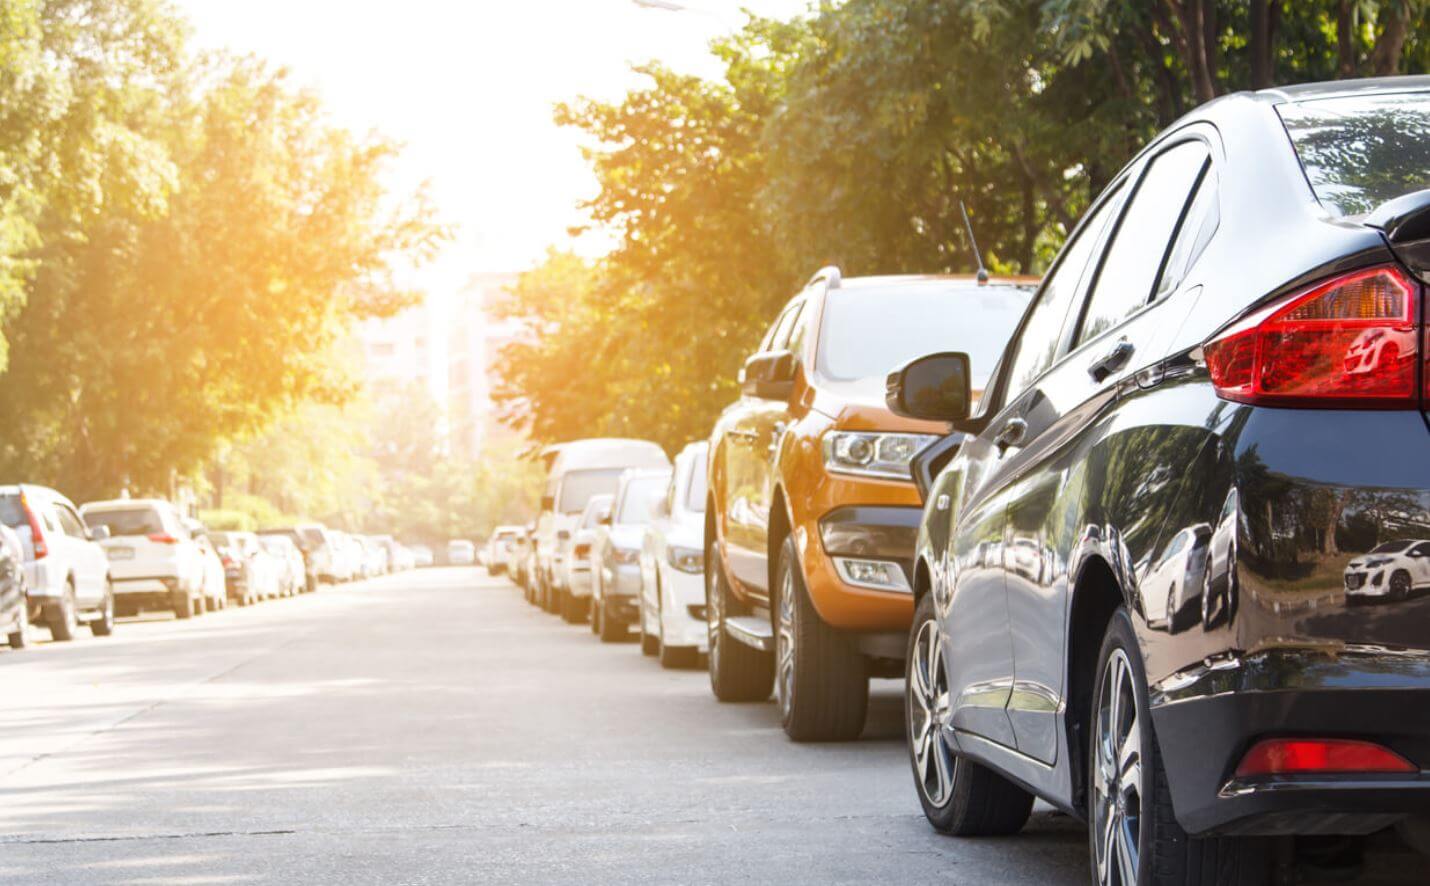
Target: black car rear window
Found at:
1361, 151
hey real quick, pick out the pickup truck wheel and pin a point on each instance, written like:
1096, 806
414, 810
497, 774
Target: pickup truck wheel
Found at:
103, 623
62, 619
650, 643
821, 678
1131, 826
737, 672
183, 605
959, 797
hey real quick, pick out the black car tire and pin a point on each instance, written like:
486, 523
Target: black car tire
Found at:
976, 801
612, 631
678, 657
183, 605
1169, 857
63, 620
103, 623
573, 608
1400, 585
737, 672
650, 643
821, 677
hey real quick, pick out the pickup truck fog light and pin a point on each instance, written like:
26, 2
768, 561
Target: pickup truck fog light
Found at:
880, 575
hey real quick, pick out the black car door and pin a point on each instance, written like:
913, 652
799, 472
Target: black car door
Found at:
1055, 471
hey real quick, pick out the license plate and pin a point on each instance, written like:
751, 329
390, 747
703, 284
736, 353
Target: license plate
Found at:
121, 553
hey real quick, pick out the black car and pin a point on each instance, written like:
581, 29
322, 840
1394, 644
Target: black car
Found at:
1132, 573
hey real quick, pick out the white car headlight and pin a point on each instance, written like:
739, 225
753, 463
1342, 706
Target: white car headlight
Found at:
873, 454
691, 560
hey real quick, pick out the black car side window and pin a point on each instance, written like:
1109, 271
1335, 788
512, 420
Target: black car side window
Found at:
1037, 345
781, 338
1143, 236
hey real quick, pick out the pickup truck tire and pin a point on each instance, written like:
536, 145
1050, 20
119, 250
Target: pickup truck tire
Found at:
737, 672
821, 677
958, 796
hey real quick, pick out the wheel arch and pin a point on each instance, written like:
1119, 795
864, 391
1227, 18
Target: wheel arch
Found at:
1096, 596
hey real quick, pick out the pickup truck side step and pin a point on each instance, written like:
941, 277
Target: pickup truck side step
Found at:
752, 631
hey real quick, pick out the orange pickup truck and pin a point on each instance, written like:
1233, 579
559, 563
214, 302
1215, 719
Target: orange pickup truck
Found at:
813, 513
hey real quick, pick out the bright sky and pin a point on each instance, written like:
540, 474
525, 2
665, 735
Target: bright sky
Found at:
467, 86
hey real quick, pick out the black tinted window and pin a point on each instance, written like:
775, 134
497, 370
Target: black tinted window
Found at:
1140, 243
1360, 151
12, 514
1037, 347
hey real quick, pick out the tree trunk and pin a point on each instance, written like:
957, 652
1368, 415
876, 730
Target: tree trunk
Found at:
1345, 40
1262, 64
1189, 23
1385, 57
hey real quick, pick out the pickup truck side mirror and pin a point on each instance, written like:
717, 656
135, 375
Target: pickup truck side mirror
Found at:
770, 375
935, 387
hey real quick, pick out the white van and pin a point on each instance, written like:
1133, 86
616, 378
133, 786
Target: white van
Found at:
579, 470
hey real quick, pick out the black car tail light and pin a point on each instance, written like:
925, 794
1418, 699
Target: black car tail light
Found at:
1353, 340
1306, 756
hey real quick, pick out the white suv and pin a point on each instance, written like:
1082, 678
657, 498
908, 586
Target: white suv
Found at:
67, 572
154, 562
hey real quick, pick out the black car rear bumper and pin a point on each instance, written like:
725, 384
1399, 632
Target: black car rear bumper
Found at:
1207, 719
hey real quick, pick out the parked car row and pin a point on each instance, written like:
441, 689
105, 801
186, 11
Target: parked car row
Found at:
1145, 539
63, 566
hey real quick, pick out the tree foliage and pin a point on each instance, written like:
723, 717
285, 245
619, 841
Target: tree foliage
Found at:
200, 237
851, 136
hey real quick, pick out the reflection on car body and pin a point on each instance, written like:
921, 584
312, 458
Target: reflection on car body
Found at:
1390, 572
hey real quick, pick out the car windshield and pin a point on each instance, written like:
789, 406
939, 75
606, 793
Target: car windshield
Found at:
272, 545
635, 506
866, 330
695, 495
1360, 151
577, 487
1391, 547
127, 521
12, 513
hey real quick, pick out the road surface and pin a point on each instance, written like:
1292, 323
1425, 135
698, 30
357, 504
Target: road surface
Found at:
433, 728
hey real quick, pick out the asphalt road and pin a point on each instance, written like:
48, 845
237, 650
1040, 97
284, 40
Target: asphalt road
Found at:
433, 728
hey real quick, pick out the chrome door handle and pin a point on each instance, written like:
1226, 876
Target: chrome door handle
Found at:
1011, 434
1112, 361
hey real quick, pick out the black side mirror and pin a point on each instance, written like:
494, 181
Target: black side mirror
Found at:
770, 376
604, 518
563, 535
935, 387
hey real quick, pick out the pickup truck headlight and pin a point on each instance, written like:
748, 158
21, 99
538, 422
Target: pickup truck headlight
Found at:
873, 454
691, 560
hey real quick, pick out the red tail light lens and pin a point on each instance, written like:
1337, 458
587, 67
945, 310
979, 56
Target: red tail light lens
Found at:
1350, 341
37, 535
163, 538
1299, 756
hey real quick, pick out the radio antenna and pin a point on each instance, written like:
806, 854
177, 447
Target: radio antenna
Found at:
977, 254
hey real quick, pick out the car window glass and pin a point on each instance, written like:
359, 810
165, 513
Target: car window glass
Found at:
1193, 235
780, 341
1421, 549
695, 496
767, 343
1139, 244
70, 522
1037, 346
127, 521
